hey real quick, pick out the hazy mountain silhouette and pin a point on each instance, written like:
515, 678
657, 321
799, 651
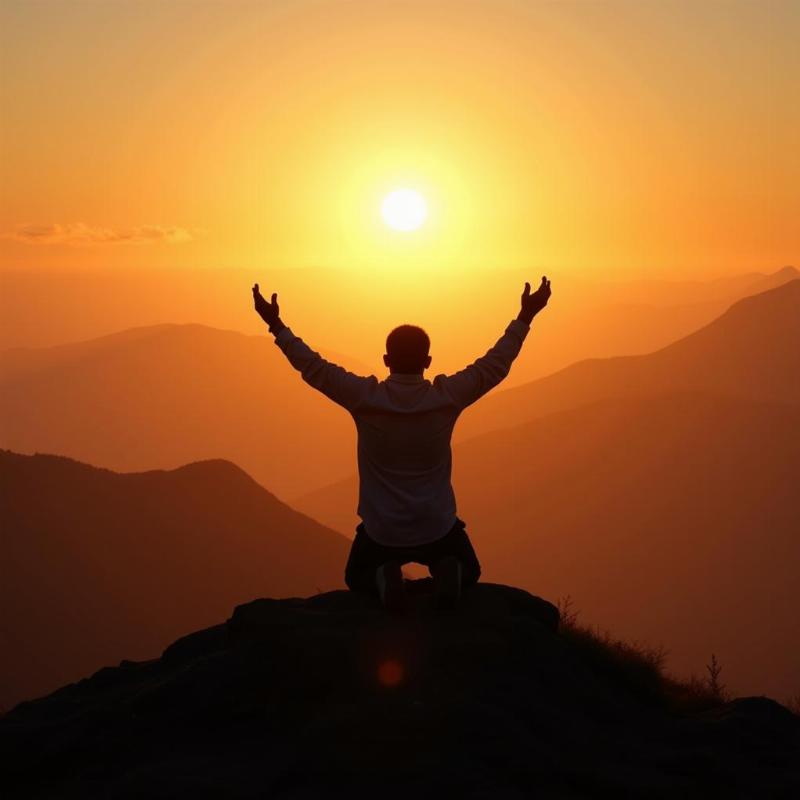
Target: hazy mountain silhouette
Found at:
751, 351
161, 396
328, 697
728, 289
98, 565
167, 394
762, 283
594, 319
619, 318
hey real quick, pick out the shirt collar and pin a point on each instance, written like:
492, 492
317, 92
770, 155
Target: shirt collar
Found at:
406, 377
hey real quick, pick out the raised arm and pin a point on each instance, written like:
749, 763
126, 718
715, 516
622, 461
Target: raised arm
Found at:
472, 382
333, 381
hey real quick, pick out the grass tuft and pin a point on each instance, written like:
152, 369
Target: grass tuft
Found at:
640, 668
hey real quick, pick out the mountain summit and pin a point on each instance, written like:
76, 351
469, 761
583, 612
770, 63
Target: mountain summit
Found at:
97, 565
750, 352
328, 697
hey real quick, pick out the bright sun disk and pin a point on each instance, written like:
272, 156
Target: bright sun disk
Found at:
404, 209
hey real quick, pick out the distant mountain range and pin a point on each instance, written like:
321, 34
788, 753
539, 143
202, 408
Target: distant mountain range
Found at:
603, 320
589, 317
98, 566
660, 491
669, 293
751, 351
165, 395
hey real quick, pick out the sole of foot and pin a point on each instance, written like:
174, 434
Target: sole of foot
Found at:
447, 584
393, 589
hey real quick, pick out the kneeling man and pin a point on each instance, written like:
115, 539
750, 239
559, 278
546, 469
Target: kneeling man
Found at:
406, 501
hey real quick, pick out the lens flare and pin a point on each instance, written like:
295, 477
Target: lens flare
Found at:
390, 673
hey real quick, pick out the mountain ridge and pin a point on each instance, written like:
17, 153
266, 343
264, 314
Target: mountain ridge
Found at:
172, 395
103, 564
594, 378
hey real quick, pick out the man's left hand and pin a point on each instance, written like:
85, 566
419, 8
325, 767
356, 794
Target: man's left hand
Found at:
532, 304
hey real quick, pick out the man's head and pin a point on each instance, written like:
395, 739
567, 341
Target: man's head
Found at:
407, 350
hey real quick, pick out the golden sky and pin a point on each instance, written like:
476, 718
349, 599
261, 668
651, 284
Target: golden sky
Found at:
633, 137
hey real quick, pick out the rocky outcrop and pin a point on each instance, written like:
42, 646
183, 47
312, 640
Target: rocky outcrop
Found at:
328, 697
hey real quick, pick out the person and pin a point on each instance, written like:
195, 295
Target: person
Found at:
406, 501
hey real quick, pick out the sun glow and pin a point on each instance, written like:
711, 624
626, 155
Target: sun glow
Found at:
404, 209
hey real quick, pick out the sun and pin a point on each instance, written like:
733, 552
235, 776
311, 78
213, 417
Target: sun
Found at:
404, 209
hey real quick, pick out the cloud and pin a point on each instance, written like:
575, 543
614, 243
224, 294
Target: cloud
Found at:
81, 234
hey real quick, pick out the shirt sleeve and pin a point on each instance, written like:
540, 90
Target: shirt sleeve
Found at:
335, 382
472, 382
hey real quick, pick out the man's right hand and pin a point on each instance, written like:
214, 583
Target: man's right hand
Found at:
269, 312
532, 304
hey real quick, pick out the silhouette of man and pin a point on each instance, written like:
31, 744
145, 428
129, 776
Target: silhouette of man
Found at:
406, 501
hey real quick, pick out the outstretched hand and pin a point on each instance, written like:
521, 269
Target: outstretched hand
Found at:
532, 304
269, 312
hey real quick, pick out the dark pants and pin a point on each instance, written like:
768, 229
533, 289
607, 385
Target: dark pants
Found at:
366, 555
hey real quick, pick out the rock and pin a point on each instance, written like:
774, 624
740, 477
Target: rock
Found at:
195, 645
326, 696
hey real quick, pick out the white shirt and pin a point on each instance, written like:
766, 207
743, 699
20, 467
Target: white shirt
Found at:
404, 426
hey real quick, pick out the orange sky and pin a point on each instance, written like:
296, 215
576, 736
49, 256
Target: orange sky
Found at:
630, 137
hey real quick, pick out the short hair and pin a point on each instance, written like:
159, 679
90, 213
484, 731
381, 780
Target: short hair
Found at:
407, 347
